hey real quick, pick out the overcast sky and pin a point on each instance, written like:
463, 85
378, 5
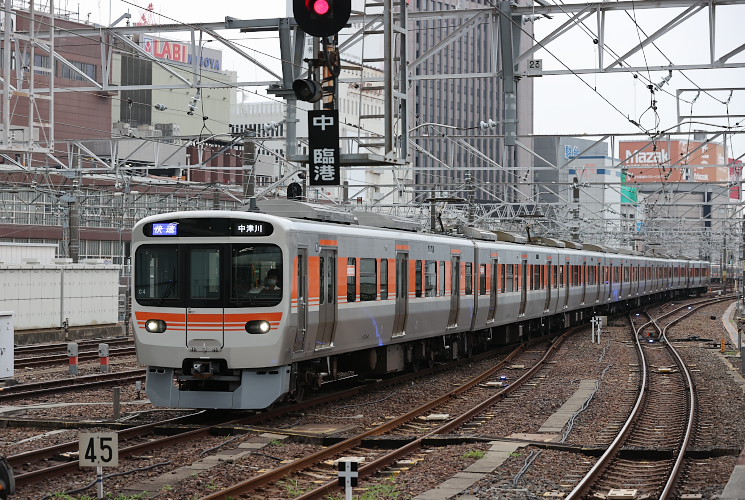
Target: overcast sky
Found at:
595, 104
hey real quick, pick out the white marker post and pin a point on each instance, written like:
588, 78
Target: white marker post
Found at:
348, 477
99, 450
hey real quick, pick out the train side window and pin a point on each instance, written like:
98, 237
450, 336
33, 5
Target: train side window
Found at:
430, 278
469, 278
351, 279
482, 279
502, 278
368, 279
536, 282
418, 278
384, 279
510, 278
321, 282
441, 280
555, 277
561, 276
543, 276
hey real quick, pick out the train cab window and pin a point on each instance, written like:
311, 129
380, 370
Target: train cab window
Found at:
157, 276
368, 279
351, 279
510, 278
482, 279
256, 275
384, 279
430, 278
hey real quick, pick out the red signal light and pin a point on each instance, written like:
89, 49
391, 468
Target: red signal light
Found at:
321, 7
321, 17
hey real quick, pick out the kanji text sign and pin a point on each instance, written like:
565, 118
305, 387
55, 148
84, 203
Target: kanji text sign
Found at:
323, 139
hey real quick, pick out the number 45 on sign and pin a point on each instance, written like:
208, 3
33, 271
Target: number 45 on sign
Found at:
100, 449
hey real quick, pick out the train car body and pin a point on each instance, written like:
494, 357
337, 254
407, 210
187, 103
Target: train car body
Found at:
216, 331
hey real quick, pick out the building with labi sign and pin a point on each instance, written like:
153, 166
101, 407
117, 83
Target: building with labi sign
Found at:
178, 111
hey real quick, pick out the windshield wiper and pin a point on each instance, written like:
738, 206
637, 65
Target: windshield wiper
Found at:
166, 292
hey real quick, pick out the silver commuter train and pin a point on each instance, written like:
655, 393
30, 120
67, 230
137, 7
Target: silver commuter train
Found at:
215, 332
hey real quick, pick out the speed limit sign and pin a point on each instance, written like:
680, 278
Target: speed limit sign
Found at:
99, 449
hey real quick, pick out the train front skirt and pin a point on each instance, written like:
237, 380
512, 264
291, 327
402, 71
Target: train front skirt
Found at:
258, 389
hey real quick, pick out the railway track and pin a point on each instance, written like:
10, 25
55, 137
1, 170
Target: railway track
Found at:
467, 402
29, 362
35, 389
648, 452
58, 348
33, 466
414, 430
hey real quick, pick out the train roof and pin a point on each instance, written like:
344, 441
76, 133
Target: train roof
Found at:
330, 213
291, 209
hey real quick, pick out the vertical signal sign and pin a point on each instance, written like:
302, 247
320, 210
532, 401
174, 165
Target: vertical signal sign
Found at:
323, 139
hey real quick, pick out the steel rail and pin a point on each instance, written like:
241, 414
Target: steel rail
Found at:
281, 472
583, 487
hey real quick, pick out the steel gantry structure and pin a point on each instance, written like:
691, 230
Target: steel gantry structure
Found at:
515, 55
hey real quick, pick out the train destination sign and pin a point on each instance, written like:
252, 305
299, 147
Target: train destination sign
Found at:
252, 228
208, 227
165, 229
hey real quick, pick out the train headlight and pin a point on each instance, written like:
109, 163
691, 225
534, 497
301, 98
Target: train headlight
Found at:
258, 326
155, 326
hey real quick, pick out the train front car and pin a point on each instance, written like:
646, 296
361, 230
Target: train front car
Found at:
209, 308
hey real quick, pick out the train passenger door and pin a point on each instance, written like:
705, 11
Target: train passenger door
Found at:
454, 291
523, 287
493, 287
402, 294
583, 277
327, 307
548, 286
301, 299
687, 271
204, 301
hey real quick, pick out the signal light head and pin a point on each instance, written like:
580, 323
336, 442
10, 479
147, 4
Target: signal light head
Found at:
307, 90
321, 7
321, 17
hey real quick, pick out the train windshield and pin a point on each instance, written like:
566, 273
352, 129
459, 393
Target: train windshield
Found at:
157, 274
240, 275
256, 275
